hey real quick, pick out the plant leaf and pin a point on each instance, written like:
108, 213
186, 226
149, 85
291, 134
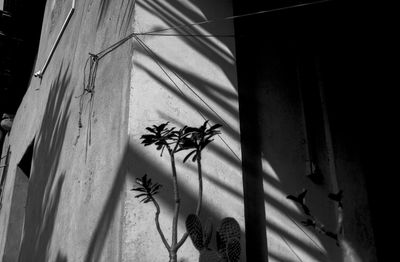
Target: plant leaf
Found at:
191, 153
215, 127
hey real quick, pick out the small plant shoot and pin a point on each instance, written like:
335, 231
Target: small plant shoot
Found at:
312, 222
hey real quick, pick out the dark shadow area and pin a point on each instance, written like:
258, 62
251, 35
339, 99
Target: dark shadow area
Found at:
20, 27
256, 241
359, 97
61, 258
266, 56
269, 55
26, 162
4, 170
312, 251
17, 211
46, 182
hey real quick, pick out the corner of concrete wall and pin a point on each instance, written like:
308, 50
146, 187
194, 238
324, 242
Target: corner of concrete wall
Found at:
199, 81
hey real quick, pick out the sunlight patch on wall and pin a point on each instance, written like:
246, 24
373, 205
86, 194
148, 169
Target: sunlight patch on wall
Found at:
349, 253
268, 169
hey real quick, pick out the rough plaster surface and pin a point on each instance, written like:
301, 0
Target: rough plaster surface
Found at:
79, 205
284, 169
278, 123
17, 211
207, 65
6, 196
74, 197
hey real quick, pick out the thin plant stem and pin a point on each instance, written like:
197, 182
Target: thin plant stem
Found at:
177, 200
200, 176
158, 224
183, 239
340, 228
199, 200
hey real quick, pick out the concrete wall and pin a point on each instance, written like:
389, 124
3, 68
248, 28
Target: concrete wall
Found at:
79, 205
73, 212
75, 209
207, 66
5, 195
17, 214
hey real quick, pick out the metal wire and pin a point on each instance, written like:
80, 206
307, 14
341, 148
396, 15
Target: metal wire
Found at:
94, 59
156, 60
123, 40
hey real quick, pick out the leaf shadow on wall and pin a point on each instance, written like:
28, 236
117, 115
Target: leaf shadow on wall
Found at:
133, 164
125, 14
46, 183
